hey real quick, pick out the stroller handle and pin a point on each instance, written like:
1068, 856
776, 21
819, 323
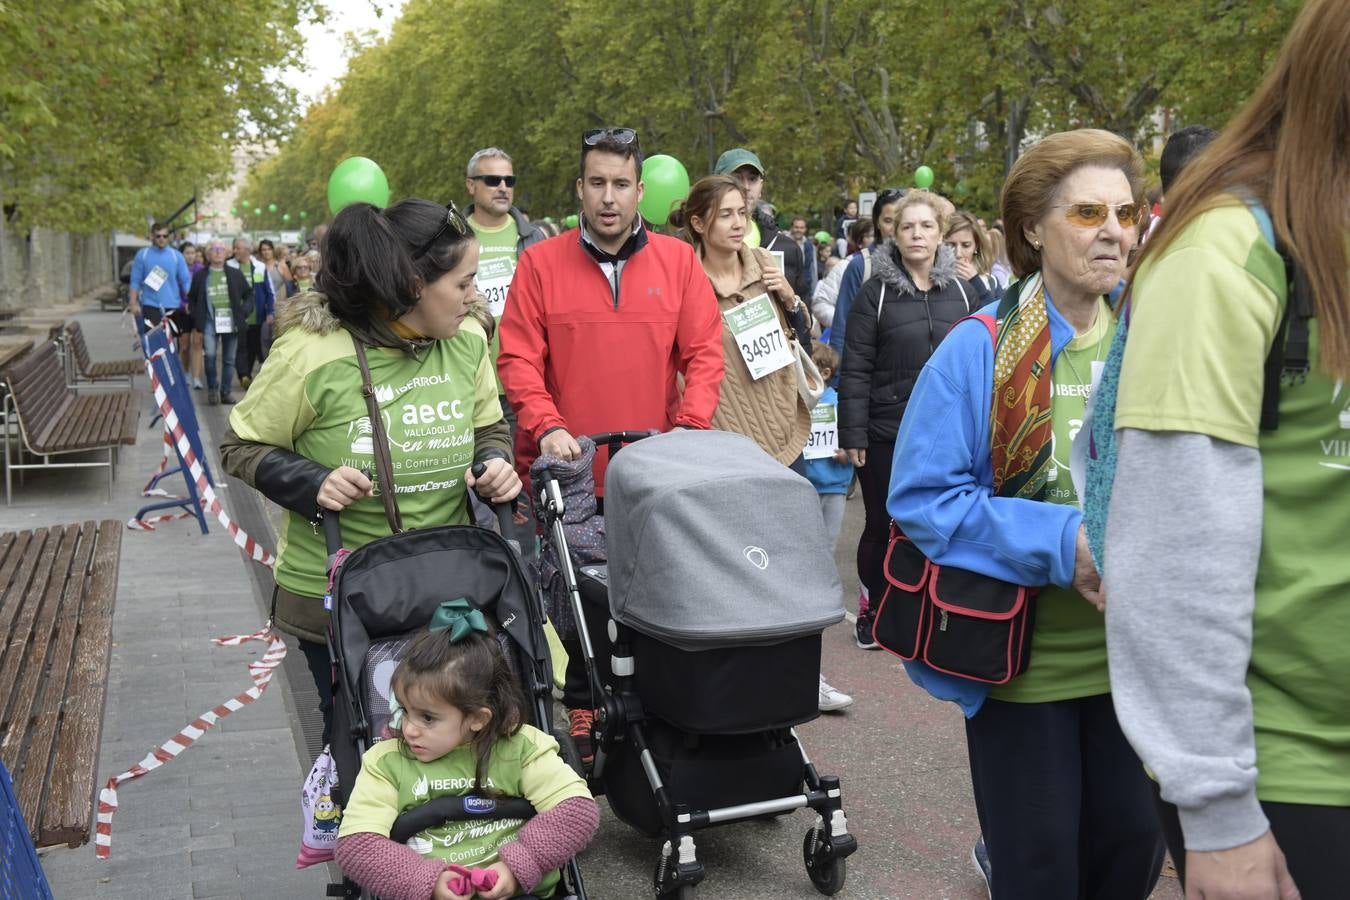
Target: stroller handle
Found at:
617, 439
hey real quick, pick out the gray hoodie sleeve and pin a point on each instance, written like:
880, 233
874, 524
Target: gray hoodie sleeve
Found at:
1182, 542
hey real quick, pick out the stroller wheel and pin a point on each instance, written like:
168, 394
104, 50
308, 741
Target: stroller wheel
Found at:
827, 876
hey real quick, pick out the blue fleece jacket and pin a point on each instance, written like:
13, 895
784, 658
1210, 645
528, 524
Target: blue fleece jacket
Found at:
942, 486
828, 476
848, 289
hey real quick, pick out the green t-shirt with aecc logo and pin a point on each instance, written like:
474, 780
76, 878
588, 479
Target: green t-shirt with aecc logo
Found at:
217, 292
525, 765
1068, 643
308, 399
496, 267
1205, 315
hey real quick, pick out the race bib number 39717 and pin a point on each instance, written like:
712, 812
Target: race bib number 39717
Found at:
824, 437
759, 336
494, 280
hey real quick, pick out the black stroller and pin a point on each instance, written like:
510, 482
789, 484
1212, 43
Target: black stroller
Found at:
382, 596
702, 640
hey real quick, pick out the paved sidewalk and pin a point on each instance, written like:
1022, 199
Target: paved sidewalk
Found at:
221, 820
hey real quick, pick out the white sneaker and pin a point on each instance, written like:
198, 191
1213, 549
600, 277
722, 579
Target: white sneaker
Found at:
832, 699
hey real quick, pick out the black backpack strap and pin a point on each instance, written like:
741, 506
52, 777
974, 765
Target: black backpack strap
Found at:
1289, 359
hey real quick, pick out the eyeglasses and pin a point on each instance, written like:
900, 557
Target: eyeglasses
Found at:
495, 180
615, 135
158, 236
1093, 215
453, 219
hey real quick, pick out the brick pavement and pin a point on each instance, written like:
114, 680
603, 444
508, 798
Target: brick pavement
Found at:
221, 820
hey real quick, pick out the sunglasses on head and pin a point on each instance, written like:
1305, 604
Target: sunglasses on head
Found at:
613, 135
495, 180
1093, 215
453, 219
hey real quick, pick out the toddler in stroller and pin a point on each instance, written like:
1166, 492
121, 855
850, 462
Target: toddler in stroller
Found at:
469, 796
701, 638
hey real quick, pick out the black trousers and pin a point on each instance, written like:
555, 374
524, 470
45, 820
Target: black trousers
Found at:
874, 481
1063, 802
249, 352
1314, 839
321, 667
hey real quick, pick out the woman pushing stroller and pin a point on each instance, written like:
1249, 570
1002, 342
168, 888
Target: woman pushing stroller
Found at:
459, 719
396, 295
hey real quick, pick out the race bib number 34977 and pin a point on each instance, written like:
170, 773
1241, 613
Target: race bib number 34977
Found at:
494, 280
759, 336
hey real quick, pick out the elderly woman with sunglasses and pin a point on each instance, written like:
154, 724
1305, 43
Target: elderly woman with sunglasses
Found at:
400, 282
1063, 802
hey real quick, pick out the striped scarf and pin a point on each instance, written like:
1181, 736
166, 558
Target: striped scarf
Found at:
1020, 415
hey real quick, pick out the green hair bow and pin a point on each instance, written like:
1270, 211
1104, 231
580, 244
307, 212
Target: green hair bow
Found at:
460, 616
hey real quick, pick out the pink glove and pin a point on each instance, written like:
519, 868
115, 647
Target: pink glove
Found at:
466, 881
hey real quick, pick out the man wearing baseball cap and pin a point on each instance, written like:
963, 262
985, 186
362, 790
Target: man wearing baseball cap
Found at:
744, 166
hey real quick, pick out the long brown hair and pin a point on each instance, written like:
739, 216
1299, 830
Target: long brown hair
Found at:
704, 199
1290, 148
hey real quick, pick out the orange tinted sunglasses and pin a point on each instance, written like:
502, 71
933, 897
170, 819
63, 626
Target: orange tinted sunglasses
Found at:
1093, 215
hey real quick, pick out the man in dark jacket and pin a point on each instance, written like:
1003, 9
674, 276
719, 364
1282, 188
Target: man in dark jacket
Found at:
219, 301
744, 166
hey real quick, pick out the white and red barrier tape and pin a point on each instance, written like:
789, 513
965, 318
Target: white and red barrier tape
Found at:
260, 670
172, 426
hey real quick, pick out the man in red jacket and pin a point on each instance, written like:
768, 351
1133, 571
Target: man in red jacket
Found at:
599, 323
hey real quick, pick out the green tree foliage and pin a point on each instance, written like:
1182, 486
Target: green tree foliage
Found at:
110, 109
834, 95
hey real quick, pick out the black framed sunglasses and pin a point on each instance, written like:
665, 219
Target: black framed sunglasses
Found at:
163, 235
594, 136
495, 180
453, 219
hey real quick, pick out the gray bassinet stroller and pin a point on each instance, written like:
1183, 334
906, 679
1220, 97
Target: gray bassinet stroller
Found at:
702, 640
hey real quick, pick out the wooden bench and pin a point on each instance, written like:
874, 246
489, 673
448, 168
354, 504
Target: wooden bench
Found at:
83, 368
54, 419
57, 587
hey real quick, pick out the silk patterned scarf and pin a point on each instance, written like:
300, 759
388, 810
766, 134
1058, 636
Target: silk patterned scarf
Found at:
1020, 415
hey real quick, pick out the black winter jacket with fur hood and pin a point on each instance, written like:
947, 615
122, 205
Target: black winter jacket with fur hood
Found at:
893, 327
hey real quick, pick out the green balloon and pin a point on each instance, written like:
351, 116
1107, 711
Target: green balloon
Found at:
923, 177
257, 210
961, 188
357, 180
285, 217
572, 221
665, 183
822, 237
303, 214
271, 207
245, 204
234, 210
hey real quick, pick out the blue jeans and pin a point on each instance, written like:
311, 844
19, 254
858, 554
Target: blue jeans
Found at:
228, 343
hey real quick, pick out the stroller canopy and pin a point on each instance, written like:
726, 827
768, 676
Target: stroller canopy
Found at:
713, 543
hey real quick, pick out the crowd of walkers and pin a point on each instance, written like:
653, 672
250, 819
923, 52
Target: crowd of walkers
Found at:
1129, 411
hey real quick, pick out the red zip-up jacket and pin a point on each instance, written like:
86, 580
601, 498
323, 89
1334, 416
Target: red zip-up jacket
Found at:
591, 354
